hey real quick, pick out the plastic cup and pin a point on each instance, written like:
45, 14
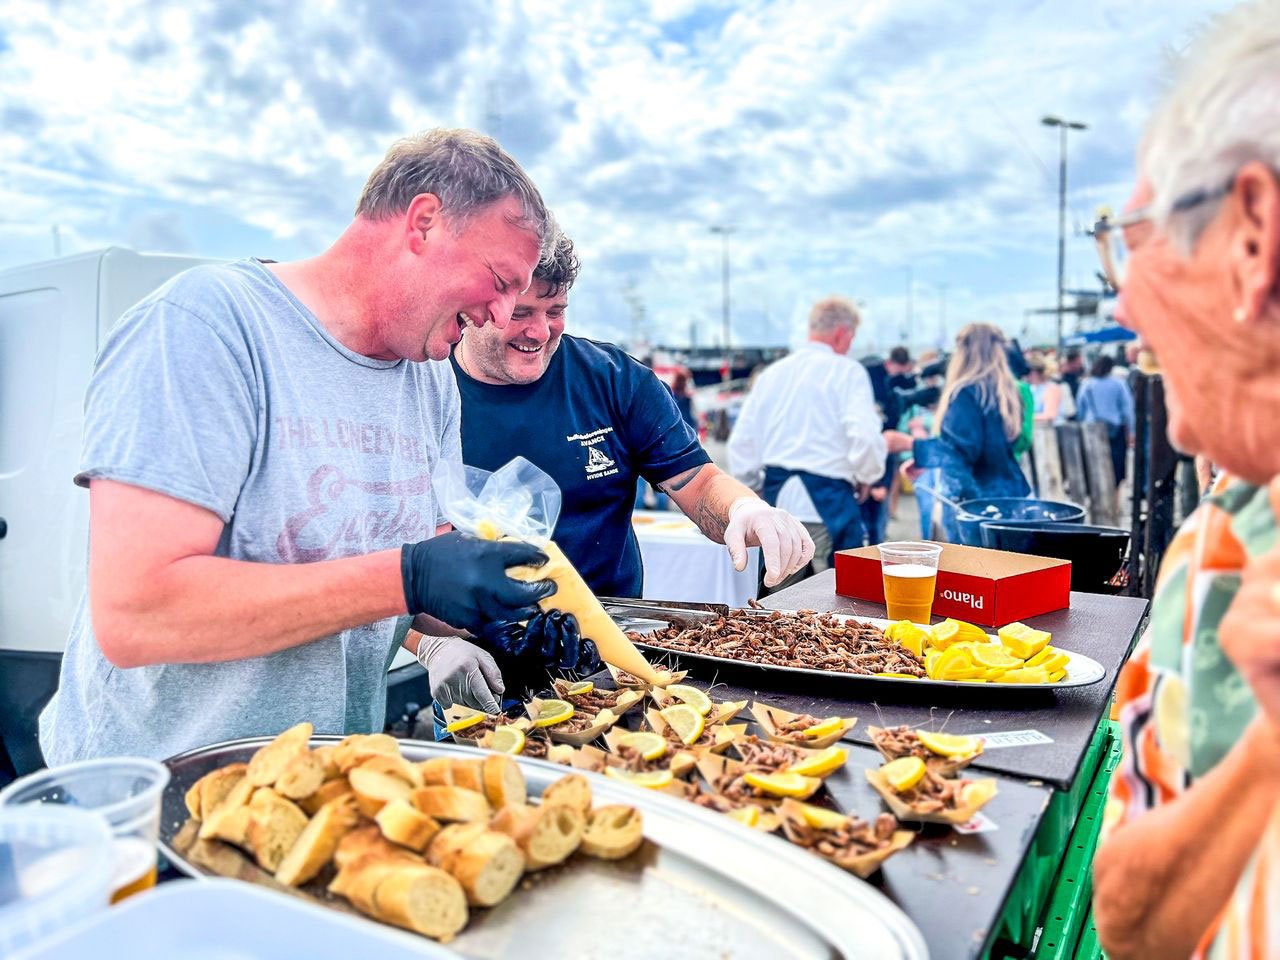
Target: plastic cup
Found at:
910, 569
125, 792
55, 869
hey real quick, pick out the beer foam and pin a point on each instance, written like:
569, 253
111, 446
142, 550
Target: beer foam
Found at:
909, 570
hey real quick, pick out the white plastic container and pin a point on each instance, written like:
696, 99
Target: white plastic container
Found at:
55, 870
228, 920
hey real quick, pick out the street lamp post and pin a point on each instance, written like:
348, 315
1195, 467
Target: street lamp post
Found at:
724, 230
1063, 126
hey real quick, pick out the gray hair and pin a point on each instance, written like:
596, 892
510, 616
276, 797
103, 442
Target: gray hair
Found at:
1222, 111
832, 313
466, 170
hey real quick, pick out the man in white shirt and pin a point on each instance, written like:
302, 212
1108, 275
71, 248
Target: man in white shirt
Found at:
809, 433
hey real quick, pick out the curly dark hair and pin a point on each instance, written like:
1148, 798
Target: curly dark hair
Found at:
560, 269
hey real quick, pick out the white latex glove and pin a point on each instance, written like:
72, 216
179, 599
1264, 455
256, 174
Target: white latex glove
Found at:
460, 672
782, 538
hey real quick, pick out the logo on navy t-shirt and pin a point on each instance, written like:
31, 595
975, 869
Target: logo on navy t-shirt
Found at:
598, 463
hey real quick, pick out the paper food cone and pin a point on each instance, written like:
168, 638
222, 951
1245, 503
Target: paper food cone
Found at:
664, 678
861, 864
679, 762
721, 712
770, 718
974, 797
713, 766
603, 721
627, 698
714, 739
943, 766
737, 750
469, 737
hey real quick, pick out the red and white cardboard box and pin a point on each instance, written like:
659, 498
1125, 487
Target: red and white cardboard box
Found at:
987, 587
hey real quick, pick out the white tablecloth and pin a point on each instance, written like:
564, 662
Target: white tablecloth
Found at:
681, 564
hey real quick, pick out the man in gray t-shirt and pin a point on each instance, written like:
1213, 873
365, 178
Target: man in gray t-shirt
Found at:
258, 447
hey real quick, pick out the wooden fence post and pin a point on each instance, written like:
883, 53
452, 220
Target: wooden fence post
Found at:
1048, 463
1104, 508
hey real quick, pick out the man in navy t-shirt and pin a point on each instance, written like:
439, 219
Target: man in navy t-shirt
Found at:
596, 420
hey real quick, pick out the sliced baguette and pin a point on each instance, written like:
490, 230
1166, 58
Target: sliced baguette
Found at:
546, 834
211, 789
451, 803
274, 827
359, 879
302, 776
504, 781
374, 789
316, 844
437, 772
359, 747
325, 756
395, 766
573, 790
367, 843
488, 864
613, 832
230, 817
329, 790
421, 898
269, 762
403, 823
468, 774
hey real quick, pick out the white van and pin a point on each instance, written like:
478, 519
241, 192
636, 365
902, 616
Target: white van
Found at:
54, 317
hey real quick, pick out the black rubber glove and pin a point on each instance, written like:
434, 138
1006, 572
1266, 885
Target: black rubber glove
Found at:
552, 639
463, 580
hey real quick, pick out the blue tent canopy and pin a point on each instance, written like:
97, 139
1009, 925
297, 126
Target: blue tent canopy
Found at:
1113, 333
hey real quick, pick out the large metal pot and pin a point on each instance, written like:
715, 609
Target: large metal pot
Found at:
1096, 553
973, 513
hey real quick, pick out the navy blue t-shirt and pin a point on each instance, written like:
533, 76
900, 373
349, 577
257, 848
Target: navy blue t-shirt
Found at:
595, 421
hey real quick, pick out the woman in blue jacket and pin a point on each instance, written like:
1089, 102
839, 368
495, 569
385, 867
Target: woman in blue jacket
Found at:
979, 418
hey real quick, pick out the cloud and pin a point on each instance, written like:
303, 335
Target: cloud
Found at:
846, 143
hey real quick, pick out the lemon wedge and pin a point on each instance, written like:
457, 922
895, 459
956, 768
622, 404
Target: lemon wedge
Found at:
823, 729
552, 712
903, 773
462, 723
949, 744
821, 763
747, 816
820, 818
651, 779
644, 742
785, 784
909, 635
581, 688
995, 656
685, 720
507, 739
944, 634
1022, 640
692, 696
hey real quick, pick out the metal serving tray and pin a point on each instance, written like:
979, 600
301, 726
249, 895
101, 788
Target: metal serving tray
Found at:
701, 886
1081, 670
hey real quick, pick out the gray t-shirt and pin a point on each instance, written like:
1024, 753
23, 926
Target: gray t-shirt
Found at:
221, 389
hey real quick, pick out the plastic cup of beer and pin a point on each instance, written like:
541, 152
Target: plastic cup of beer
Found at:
910, 571
125, 792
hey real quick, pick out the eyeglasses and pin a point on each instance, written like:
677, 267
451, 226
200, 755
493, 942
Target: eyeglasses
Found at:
1184, 203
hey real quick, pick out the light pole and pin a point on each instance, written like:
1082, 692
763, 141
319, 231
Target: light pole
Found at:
906, 328
724, 230
1063, 126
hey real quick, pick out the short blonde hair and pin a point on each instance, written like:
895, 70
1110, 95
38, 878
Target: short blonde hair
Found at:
832, 313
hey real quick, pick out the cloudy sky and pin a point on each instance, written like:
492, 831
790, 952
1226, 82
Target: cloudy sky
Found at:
863, 147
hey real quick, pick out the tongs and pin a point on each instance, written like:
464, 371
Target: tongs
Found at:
673, 610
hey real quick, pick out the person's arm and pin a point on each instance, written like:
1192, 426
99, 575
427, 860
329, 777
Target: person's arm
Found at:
1052, 403
745, 457
1159, 880
863, 428
728, 512
158, 595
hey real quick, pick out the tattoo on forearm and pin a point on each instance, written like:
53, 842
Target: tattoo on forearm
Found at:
680, 481
711, 519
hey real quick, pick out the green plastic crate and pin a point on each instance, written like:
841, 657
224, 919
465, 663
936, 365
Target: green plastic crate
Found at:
1065, 919
1026, 901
